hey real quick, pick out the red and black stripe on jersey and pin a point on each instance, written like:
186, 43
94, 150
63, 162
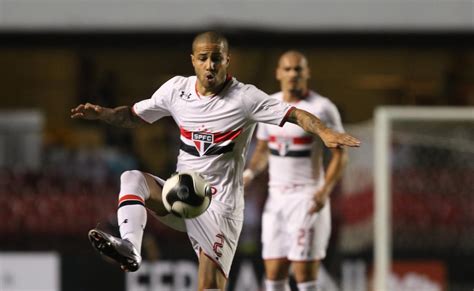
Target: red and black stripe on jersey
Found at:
212, 143
299, 140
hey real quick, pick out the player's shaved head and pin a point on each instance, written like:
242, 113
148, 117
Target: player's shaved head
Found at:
211, 37
295, 55
293, 73
210, 58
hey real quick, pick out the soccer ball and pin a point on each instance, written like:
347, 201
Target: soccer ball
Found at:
186, 194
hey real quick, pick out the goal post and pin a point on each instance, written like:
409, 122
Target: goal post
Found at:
385, 118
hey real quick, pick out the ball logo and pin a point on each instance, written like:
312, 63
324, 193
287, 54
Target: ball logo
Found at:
183, 192
202, 141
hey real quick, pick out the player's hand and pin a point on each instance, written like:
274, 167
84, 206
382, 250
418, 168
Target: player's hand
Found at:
334, 139
87, 111
319, 200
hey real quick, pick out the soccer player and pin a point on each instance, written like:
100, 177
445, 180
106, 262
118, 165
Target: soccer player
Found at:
296, 218
216, 115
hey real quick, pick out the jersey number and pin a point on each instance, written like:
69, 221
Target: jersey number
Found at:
305, 235
218, 245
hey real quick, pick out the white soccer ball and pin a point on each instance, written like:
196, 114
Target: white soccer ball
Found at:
186, 194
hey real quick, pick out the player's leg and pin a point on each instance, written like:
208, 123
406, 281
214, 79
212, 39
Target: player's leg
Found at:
154, 201
210, 275
275, 245
276, 274
309, 243
214, 237
306, 275
135, 188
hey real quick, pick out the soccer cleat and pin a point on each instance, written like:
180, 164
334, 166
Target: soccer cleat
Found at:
118, 250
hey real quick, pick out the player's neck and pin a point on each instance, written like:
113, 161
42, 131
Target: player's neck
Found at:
292, 97
211, 91
203, 91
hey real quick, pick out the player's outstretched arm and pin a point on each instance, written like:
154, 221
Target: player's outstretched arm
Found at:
314, 125
120, 116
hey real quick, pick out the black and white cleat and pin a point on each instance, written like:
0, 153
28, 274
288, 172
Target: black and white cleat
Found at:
120, 251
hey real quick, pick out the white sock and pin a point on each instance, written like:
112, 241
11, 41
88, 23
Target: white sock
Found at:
131, 214
308, 286
281, 285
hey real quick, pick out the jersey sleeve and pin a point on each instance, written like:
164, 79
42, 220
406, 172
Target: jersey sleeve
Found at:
332, 118
263, 108
150, 110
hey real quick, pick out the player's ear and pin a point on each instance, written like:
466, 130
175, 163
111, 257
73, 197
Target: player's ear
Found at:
193, 59
227, 58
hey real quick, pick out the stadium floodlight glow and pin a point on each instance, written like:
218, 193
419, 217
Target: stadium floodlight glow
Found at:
384, 120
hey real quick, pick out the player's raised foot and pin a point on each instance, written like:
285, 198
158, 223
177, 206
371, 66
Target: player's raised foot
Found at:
118, 250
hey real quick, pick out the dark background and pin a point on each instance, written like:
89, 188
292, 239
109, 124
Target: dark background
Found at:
53, 206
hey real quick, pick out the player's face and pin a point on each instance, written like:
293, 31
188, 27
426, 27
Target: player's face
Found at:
210, 62
293, 74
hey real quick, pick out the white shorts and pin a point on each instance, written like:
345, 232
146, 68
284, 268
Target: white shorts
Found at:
215, 235
288, 231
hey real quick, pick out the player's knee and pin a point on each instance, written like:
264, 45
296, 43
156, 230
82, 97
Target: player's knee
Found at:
306, 272
305, 276
133, 182
132, 176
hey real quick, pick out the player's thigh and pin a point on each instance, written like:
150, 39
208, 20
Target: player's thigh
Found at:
309, 232
274, 234
216, 236
305, 271
155, 202
276, 269
210, 275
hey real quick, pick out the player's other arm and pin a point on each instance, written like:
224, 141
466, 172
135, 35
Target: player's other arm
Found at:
258, 162
335, 168
122, 116
314, 125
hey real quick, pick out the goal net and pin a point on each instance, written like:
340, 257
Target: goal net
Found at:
410, 194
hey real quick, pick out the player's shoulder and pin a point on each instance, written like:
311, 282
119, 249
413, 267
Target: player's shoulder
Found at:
320, 100
277, 95
181, 81
241, 89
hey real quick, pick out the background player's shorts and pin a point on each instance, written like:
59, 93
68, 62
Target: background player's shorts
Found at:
288, 231
215, 235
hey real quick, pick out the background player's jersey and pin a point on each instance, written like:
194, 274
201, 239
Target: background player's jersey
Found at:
215, 131
295, 155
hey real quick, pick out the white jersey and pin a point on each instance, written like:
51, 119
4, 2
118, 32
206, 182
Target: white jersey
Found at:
215, 131
295, 155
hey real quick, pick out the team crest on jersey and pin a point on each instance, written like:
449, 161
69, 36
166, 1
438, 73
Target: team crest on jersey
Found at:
202, 141
283, 145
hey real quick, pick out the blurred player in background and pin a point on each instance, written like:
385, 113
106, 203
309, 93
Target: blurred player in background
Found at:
216, 115
296, 221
